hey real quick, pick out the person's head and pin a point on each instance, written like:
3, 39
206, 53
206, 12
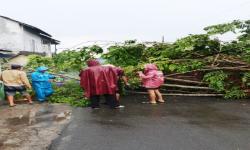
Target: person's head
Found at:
149, 67
93, 62
15, 67
42, 69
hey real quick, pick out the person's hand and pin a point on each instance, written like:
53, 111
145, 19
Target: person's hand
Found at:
127, 86
139, 72
60, 75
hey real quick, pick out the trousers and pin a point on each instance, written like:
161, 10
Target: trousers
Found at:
110, 99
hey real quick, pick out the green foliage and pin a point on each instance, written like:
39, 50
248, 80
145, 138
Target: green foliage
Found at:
130, 42
73, 60
192, 45
125, 55
37, 60
246, 79
69, 61
95, 49
131, 73
183, 55
158, 52
185, 66
223, 28
70, 93
216, 80
234, 93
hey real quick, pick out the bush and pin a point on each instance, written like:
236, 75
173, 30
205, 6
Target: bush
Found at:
216, 80
234, 93
70, 93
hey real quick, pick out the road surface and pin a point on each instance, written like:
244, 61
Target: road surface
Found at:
183, 123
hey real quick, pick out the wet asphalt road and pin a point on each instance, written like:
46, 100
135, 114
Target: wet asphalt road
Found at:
183, 123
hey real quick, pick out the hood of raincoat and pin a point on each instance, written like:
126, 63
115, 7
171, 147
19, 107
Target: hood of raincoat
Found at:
93, 62
149, 67
42, 68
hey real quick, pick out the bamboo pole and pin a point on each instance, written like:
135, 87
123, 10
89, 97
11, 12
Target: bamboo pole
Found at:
179, 94
187, 86
240, 68
183, 80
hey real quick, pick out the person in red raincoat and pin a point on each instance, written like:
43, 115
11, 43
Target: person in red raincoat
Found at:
121, 78
96, 81
152, 79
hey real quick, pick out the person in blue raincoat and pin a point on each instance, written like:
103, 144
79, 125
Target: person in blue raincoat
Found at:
41, 83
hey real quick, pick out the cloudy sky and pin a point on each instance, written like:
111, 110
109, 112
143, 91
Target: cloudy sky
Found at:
76, 21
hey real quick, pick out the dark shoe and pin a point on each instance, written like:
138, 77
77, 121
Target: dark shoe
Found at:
105, 103
95, 107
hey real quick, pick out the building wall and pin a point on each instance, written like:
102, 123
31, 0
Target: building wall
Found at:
20, 59
11, 35
32, 42
47, 49
15, 37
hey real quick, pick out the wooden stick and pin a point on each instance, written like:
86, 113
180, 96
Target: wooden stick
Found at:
185, 81
235, 62
177, 91
240, 68
178, 94
215, 59
65, 76
187, 86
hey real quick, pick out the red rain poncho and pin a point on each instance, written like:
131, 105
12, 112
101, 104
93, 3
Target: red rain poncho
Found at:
97, 79
152, 77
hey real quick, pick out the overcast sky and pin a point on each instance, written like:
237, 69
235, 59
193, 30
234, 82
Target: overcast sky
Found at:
76, 21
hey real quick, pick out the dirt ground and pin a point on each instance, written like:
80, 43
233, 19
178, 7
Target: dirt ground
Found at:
32, 127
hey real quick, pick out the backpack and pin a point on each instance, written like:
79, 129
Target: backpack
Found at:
160, 76
2, 94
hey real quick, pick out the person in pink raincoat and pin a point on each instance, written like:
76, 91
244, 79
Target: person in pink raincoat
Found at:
152, 79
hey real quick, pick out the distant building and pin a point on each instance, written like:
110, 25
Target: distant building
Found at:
21, 38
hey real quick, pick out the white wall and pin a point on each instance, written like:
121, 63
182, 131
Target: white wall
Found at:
47, 49
32, 42
11, 35
15, 37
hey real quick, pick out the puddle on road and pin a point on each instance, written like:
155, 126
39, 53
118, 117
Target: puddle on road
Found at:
22, 120
44, 114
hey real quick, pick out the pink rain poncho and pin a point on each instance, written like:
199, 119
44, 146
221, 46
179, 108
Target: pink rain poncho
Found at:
152, 77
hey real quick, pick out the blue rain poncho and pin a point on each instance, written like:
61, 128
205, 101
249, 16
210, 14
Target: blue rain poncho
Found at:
41, 84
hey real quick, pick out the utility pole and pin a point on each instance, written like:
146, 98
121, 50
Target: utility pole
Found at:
162, 39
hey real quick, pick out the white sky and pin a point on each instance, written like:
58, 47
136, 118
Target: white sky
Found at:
76, 21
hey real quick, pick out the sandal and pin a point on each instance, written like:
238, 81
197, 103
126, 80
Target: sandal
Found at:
161, 101
12, 105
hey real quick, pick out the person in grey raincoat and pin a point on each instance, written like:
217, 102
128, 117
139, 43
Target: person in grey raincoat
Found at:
41, 83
